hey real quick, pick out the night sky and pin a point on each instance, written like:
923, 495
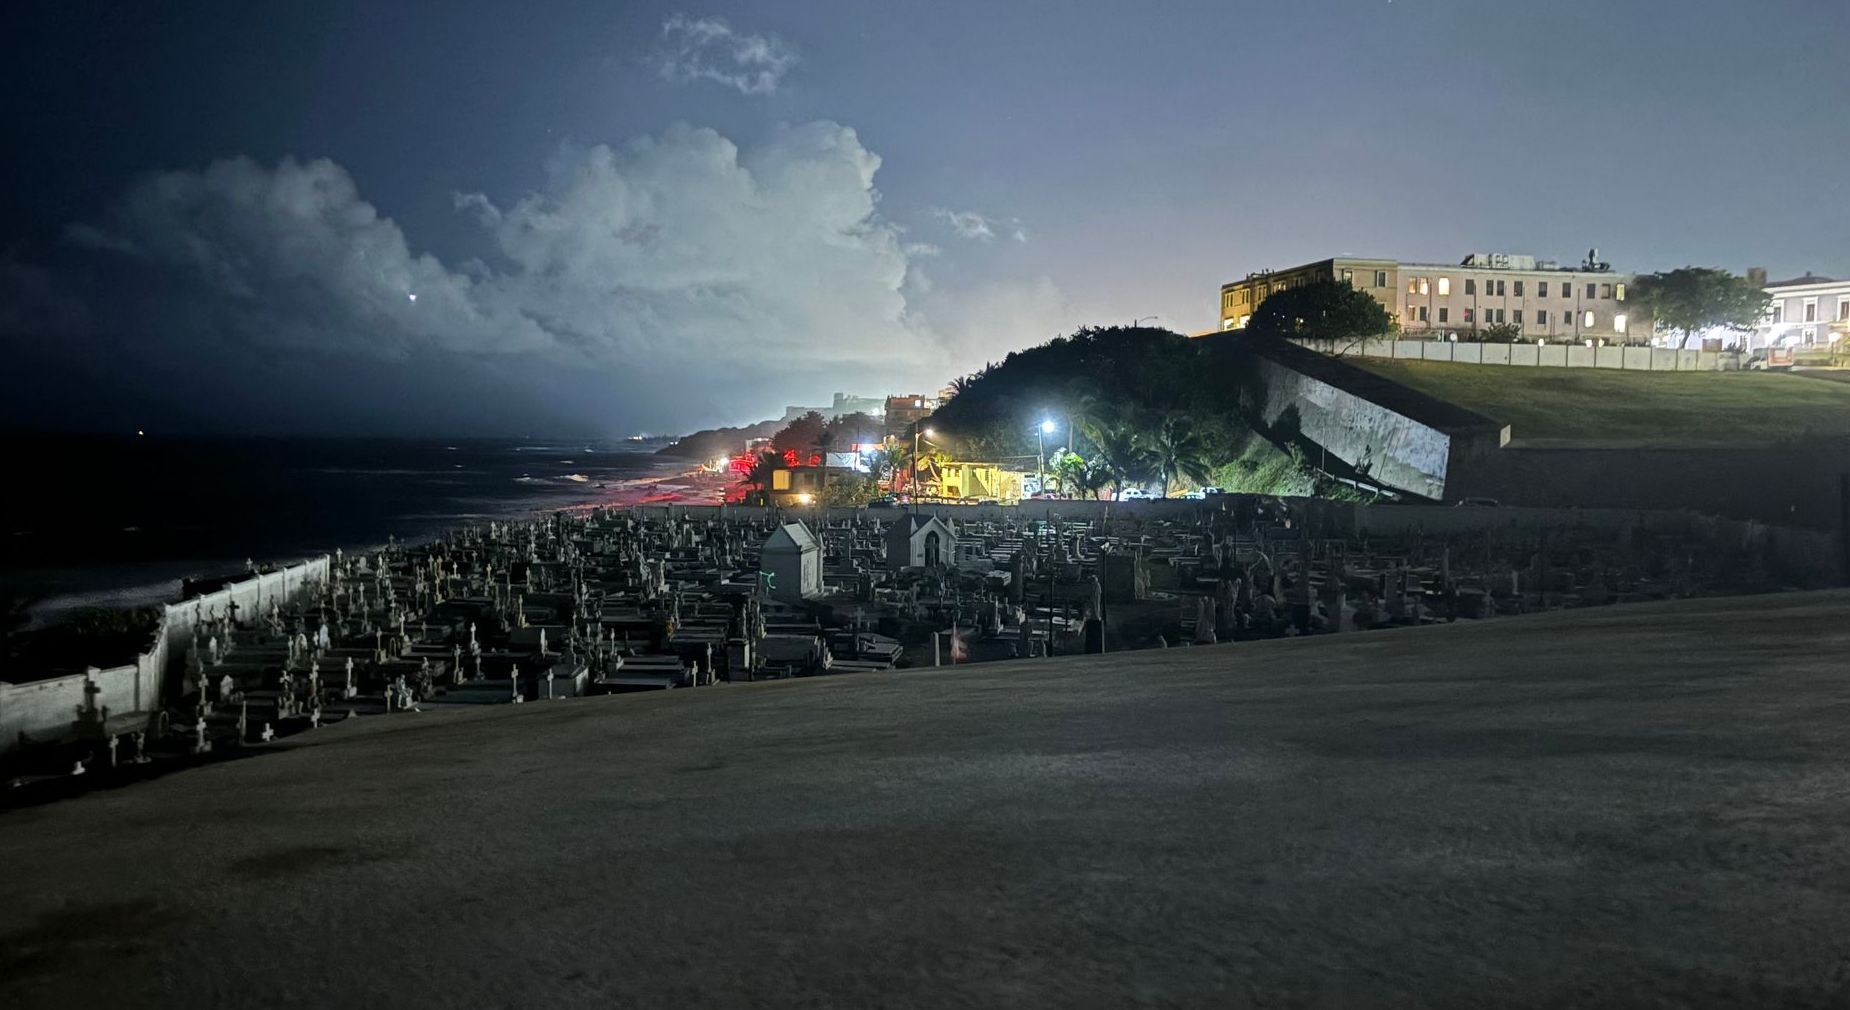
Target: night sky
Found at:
636, 216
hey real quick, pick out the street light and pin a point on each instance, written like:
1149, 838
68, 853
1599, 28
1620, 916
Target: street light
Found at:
1040, 459
913, 485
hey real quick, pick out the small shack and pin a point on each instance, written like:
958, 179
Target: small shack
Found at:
793, 563
917, 541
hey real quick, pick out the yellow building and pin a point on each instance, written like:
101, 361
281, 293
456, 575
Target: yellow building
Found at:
956, 480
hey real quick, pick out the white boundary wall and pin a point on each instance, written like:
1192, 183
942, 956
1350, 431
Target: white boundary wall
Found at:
1635, 359
48, 709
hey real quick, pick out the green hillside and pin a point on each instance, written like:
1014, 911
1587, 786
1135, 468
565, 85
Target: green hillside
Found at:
1563, 406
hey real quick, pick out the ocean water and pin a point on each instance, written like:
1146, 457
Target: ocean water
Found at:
118, 521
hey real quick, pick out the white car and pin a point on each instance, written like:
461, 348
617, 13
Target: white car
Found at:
1202, 492
1135, 494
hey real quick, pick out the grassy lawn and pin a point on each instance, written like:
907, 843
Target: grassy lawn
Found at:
1573, 406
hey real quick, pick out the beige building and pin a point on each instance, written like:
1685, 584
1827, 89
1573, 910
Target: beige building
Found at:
1545, 301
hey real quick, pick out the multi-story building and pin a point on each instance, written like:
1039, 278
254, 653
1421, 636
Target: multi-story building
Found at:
1806, 311
902, 412
1543, 300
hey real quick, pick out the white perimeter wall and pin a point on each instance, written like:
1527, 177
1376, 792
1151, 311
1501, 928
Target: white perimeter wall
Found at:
47, 709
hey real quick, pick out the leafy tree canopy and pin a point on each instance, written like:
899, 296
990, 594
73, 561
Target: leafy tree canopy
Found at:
1324, 309
1690, 300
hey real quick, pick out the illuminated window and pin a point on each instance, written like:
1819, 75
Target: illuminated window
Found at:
1618, 323
1618, 291
1588, 321
780, 480
1445, 285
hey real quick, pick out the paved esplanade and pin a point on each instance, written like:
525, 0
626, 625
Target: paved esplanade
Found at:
1609, 807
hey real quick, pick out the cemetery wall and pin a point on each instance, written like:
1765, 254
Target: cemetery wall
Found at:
48, 709
1556, 355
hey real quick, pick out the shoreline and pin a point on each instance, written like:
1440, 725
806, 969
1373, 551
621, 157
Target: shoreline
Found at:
117, 586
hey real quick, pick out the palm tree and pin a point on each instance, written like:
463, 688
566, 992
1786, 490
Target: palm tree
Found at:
1122, 454
1176, 448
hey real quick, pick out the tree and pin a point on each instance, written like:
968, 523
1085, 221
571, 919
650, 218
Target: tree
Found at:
850, 491
1176, 448
1122, 454
800, 434
1691, 300
1324, 309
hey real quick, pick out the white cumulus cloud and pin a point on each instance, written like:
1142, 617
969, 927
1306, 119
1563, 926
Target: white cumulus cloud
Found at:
709, 49
980, 227
685, 279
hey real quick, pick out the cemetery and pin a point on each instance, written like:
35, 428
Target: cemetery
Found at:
617, 601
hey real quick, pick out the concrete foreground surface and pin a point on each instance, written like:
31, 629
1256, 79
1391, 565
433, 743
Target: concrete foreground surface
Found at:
1630, 806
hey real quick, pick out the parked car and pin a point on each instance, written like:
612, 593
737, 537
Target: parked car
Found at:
1135, 494
885, 501
1488, 503
1202, 492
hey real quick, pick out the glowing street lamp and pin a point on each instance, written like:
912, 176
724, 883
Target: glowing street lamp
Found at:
1040, 460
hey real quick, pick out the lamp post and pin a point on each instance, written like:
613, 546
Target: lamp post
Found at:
1040, 458
913, 484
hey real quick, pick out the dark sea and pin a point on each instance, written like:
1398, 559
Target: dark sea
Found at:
100, 521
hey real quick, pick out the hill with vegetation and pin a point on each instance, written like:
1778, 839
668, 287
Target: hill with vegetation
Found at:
1118, 407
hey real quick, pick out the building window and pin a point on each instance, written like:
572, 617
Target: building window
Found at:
1811, 310
1499, 289
1425, 286
1381, 279
1519, 289
1605, 291
1445, 314
1618, 323
1445, 285
1778, 314
1843, 308
1588, 321
1517, 316
1618, 291
1470, 286
1468, 315
1591, 288
1541, 317
1541, 289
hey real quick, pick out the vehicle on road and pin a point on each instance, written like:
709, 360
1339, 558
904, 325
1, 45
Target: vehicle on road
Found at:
1488, 503
1201, 493
1135, 494
885, 501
